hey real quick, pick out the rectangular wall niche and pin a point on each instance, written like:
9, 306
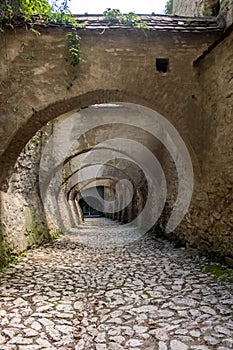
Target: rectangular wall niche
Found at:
162, 64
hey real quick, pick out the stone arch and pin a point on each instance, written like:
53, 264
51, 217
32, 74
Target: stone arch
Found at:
68, 108
38, 119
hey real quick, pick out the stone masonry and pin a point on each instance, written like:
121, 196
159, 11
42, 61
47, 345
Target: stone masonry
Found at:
120, 65
204, 8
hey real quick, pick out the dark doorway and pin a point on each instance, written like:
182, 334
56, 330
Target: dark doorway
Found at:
91, 206
88, 210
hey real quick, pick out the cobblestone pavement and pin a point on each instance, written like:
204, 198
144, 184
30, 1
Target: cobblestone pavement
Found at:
147, 295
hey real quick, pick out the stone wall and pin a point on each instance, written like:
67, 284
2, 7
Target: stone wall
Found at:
45, 86
22, 220
204, 8
227, 11
209, 223
184, 8
37, 85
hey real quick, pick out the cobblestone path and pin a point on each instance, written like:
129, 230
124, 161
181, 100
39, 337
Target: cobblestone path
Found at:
147, 295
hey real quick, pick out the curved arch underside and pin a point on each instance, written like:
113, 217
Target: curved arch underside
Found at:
93, 150
66, 108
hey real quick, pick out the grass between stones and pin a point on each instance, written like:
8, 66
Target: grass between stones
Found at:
219, 273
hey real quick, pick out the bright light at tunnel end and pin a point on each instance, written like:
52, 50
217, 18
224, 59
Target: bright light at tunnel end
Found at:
70, 128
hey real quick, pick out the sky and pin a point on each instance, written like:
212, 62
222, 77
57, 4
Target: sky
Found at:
99, 6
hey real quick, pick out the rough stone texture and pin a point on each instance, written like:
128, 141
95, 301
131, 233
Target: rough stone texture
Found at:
22, 218
146, 296
204, 8
156, 23
217, 157
227, 11
83, 153
185, 8
104, 76
37, 85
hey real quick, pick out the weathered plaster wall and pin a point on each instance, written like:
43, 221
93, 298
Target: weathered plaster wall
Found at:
210, 220
22, 220
37, 85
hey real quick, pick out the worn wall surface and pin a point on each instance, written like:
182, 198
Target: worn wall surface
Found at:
204, 8
38, 85
216, 78
227, 10
208, 224
22, 218
184, 8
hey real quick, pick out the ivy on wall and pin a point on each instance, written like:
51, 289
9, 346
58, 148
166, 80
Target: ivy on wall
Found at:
14, 12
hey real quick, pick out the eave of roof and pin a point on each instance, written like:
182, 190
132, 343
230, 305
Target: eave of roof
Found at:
154, 23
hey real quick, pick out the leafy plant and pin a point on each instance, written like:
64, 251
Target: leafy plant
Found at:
12, 11
30, 8
74, 47
55, 235
131, 19
27, 11
169, 7
112, 15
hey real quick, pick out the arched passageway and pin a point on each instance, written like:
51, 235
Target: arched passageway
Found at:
139, 131
119, 68
123, 141
142, 156
122, 144
89, 205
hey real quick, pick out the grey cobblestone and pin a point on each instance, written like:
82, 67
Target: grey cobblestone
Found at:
147, 295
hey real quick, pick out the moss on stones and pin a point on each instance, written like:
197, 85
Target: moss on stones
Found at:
6, 250
219, 272
36, 230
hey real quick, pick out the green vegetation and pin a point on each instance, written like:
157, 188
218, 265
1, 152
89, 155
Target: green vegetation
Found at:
4, 250
36, 231
168, 7
56, 234
57, 303
148, 295
74, 48
131, 19
13, 12
64, 177
7, 256
219, 273
207, 13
